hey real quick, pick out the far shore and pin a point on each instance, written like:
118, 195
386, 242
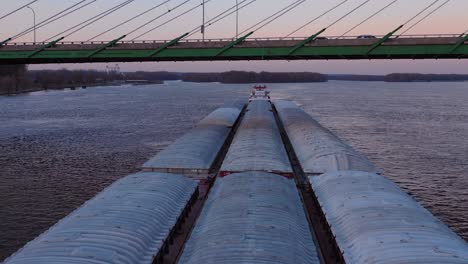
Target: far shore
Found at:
19, 80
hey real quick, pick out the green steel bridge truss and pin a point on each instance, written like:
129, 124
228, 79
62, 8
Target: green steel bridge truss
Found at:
240, 49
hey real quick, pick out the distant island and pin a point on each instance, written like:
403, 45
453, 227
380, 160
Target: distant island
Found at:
308, 77
356, 77
16, 79
253, 77
401, 77
415, 77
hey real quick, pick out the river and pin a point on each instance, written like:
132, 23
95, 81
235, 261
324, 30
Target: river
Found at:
59, 148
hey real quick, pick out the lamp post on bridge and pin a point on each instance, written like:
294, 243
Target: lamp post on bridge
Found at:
203, 21
237, 19
34, 21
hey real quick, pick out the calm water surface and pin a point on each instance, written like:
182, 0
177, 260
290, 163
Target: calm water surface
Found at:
58, 149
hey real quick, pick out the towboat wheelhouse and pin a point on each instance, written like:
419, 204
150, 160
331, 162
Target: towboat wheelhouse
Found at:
259, 92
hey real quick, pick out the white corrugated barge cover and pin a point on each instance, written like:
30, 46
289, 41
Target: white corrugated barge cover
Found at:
318, 149
257, 145
197, 150
239, 104
126, 223
225, 116
252, 217
374, 221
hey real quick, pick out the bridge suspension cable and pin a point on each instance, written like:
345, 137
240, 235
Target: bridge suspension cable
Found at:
278, 16
342, 17
222, 15
425, 17
18, 9
317, 18
273, 17
172, 19
158, 17
370, 17
90, 21
349, 13
130, 19
54, 18
420, 12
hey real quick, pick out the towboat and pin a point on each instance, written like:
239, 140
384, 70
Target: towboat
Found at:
259, 92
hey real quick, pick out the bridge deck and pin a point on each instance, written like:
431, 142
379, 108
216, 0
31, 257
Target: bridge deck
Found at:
273, 43
251, 49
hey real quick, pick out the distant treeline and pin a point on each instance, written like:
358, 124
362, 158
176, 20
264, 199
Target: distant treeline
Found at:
153, 76
304, 77
56, 79
254, 77
351, 77
17, 79
416, 77
401, 77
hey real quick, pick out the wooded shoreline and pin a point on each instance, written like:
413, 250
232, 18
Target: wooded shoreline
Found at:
15, 79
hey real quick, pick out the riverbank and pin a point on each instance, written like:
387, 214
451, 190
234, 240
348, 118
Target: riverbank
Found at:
17, 80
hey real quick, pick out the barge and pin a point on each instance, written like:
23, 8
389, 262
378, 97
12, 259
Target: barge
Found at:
257, 183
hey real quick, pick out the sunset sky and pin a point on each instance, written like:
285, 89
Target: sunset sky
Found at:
451, 19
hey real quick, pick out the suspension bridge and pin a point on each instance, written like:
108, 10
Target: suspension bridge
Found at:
132, 47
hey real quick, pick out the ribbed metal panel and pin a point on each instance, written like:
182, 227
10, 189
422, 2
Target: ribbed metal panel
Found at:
318, 149
257, 145
225, 116
126, 223
252, 217
374, 221
197, 150
238, 103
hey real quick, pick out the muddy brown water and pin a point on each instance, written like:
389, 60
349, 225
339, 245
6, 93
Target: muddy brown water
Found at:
59, 148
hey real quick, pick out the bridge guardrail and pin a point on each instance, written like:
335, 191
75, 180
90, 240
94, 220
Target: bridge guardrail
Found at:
221, 40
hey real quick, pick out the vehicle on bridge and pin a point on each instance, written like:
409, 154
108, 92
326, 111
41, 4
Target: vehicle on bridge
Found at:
366, 37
